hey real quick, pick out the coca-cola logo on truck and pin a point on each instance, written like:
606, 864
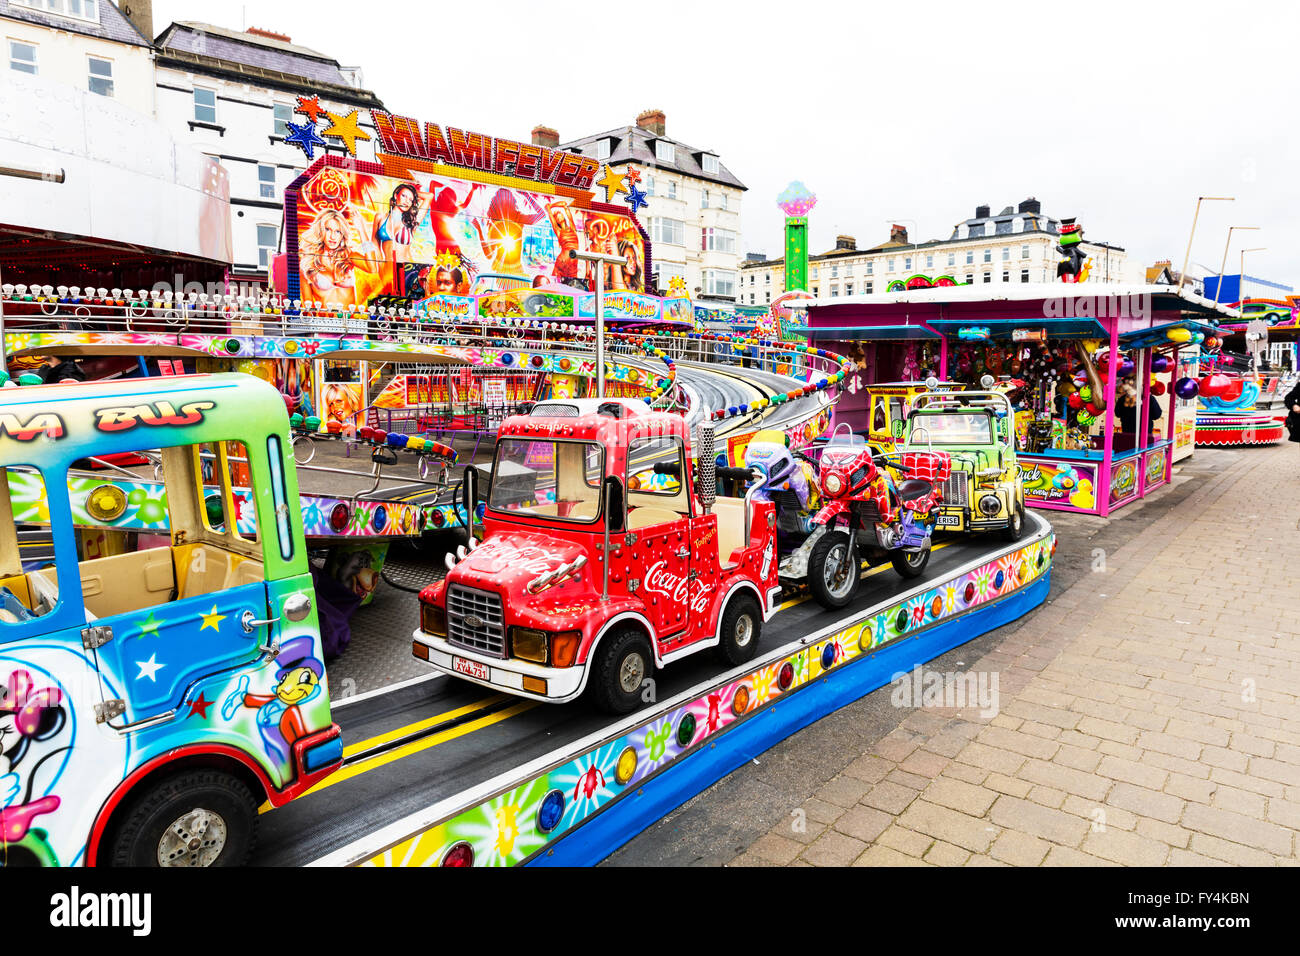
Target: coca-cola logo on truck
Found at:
677, 588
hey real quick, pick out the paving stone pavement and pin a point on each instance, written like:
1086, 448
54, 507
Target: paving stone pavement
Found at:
1149, 715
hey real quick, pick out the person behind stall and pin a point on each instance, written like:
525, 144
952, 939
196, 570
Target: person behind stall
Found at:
1292, 403
1126, 408
61, 370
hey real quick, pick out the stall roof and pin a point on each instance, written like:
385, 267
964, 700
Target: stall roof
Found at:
862, 333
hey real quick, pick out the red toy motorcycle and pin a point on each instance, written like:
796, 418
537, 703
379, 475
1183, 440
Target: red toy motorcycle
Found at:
881, 518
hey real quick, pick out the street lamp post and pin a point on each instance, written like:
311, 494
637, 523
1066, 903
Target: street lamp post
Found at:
1182, 276
1223, 265
19, 172
602, 260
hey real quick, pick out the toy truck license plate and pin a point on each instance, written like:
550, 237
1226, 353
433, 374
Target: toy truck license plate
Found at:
948, 521
470, 668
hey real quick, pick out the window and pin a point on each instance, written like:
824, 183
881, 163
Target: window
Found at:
722, 200
1024, 275
752, 277
871, 267
565, 479
867, 288
80, 9
655, 469
907, 263
848, 268
752, 297
667, 271
671, 231
1006, 253
205, 105
704, 199
952, 259
970, 256
670, 189
649, 185
988, 255
1003, 226
602, 149
22, 57
890, 264
1024, 252
975, 231
815, 270
267, 237
767, 296
929, 262
665, 152
719, 282
768, 278
1006, 276
835, 290
710, 163
283, 114
835, 272
969, 278
848, 288
266, 181
988, 277
101, 76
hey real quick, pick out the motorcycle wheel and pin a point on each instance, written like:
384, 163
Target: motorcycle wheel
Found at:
910, 564
832, 579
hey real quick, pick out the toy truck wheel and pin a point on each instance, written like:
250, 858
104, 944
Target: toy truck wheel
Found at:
742, 624
623, 662
196, 818
1016, 523
910, 564
833, 580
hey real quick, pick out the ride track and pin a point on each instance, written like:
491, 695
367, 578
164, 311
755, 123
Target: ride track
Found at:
437, 769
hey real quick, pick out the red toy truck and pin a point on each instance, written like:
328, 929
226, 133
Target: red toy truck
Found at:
536, 610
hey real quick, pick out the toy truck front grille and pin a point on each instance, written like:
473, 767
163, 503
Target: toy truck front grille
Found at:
954, 489
475, 620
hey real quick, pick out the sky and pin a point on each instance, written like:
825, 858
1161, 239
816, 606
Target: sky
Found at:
1118, 113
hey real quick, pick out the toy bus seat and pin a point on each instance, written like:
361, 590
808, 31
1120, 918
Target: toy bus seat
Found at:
202, 569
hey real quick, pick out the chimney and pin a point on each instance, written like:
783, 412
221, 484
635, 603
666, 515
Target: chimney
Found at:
898, 233
1030, 205
269, 34
981, 212
846, 242
140, 13
652, 121
1162, 263
545, 136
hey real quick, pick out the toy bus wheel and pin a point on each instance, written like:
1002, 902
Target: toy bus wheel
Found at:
1015, 524
832, 579
910, 564
196, 818
742, 624
623, 662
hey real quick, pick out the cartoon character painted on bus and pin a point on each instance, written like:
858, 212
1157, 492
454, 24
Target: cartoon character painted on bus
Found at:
29, 716
280, 714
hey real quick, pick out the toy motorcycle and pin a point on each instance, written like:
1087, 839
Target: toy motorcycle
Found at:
881, 518
788, 479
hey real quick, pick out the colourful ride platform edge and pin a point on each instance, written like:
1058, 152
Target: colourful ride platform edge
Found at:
1249, 428
577, 805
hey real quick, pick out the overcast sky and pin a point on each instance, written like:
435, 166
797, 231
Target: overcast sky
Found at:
1118, 113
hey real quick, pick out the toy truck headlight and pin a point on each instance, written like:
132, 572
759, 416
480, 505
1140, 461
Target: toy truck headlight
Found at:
990, 505
433, 620
528, 644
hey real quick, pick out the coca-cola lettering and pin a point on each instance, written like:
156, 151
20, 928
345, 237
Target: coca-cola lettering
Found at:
677, 588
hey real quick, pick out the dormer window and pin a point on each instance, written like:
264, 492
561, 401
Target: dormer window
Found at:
602, 149
665, 152
77, 9
709, 162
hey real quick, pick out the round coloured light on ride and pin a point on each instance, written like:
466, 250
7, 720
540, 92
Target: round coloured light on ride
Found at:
828, 656
380, 519
865, 637
339, 518
438, 518
462, 854
968, 594
740, 700
785, 677
686, 730
999, 578
900, 622
936, 606
215, 513
550, 812
625, 767
108, 503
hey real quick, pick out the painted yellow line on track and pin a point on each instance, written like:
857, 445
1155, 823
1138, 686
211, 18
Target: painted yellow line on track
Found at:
416, 746
363, 745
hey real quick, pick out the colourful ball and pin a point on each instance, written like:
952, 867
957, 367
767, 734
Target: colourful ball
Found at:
1186, 388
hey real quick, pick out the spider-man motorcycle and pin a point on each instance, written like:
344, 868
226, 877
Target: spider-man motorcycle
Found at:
881, 518
788, 479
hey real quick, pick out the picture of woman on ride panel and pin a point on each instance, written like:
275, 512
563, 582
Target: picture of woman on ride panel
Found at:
326, 260
395, 229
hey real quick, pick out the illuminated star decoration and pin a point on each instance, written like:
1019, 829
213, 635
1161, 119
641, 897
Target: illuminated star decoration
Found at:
304, 137
633, 175
309, 106
613, 183
200, 707
213, 620
677, 287
636, 199
345, 128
